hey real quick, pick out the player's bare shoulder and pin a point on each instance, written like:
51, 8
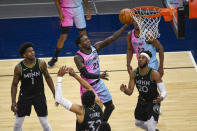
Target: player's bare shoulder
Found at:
17, 69
42, 64
155, 75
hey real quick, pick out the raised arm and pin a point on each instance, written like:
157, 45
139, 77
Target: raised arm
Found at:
57, 4
59, 97
79, 63
129, 52
87, 9
101, 44
160, 49
131, 85
85, 84
160, 85
15, 81
47, 76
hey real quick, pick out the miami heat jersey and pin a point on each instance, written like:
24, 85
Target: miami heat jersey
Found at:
70, 3
140, 46
91, 63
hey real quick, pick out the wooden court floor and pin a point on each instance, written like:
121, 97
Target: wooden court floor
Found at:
179, 110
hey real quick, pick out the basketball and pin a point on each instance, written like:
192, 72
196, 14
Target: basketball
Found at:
124, 16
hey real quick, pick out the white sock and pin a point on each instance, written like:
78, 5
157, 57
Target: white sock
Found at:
18, 123
44, 122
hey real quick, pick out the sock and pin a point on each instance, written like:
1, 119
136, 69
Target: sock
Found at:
57, 51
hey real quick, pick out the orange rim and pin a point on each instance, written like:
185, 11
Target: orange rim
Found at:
165, 12
147, 7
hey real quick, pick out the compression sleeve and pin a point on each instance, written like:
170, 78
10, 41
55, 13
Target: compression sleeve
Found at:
162, 89
58, 95
88, 75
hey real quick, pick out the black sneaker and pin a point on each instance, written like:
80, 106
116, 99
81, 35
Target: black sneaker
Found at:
52, 62
157, 130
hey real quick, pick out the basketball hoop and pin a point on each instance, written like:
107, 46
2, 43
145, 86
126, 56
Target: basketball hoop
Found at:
148, 18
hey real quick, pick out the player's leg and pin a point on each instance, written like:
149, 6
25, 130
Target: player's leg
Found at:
18, 123
64, 29
153, 111
141, 116
106, 99
151, 124
44, 122
109, 107
40, 106
23, 109
79, 20
141, 124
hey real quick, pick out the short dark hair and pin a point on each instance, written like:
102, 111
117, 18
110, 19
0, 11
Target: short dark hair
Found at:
104, 126
88, 98
78, 39
23, 47
148, 53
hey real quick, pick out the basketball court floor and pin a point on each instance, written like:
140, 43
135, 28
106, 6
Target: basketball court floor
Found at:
179, 110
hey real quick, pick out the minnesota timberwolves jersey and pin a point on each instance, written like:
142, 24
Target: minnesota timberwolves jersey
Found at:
92, 119
146, 87
31, 80
91, 63
140, 46
71, 3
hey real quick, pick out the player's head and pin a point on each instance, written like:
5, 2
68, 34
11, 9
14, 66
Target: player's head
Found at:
26, 50
144, 58
88, 98
104, 126
83, 41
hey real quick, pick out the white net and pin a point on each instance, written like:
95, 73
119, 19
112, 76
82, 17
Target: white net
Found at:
148, 26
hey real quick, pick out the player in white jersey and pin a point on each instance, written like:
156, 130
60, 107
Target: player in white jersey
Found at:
138, 45
87, 62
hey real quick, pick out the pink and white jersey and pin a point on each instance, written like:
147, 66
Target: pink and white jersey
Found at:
70, 3
140, 46
91, 62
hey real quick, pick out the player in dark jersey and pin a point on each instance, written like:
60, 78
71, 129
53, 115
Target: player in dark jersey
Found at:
87, 62
30, 73
90, 115
147, 82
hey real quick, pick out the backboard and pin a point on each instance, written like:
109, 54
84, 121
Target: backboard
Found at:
178, 22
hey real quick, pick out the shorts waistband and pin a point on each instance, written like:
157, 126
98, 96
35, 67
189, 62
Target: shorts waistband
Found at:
93, 83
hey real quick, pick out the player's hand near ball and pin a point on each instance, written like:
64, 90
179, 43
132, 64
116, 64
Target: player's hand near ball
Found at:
125, 16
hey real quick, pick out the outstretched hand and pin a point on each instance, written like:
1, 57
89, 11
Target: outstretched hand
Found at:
62, 71
104, 75
71, 71
123, 87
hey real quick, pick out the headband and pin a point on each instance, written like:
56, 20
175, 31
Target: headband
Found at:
145, 54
